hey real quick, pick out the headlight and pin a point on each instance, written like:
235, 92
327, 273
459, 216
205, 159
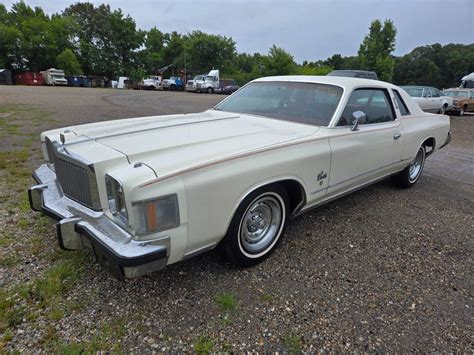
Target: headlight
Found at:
116, 199
156, 215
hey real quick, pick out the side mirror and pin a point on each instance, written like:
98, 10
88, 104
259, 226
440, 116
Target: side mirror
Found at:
359, 118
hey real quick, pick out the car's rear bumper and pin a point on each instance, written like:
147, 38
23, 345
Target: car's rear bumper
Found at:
79, 227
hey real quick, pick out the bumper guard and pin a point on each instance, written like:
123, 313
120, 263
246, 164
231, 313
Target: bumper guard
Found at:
79, 227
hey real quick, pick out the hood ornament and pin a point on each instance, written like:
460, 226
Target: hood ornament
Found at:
62, 136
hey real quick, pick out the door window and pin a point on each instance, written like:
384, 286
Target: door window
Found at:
435, 93
426, 93
374, 103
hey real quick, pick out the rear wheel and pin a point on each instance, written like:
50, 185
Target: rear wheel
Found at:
442, 110
257, 226
410, 175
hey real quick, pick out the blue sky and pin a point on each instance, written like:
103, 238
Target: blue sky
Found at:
310, 30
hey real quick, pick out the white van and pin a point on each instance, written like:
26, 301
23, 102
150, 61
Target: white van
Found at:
54, 77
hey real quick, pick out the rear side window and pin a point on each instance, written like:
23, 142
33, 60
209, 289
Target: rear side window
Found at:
401, 104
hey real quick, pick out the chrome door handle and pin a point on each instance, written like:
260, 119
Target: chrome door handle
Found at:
397, 135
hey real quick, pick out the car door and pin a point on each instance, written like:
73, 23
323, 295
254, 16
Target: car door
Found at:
373, 149
428, 104
470, 102
436, 99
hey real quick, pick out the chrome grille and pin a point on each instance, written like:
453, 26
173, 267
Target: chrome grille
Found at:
77, 180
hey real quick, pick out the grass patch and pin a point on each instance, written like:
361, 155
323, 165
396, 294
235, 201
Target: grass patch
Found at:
293, 343
204, 345
267, 298
6, 240
24, 203
60, 277
11, 312
226, 302
23, 122
106, 340
13, 158
42, 294
9, 260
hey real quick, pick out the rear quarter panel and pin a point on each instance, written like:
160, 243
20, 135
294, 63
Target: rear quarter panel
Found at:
417, 128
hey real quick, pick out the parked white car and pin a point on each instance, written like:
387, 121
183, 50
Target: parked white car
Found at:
147, 192
429, 99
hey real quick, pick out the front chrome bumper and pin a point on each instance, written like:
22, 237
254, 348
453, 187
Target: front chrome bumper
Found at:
79, 227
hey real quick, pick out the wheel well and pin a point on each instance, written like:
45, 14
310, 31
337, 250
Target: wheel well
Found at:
296, 194
429, 145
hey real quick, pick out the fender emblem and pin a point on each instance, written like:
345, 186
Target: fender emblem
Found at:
322, 175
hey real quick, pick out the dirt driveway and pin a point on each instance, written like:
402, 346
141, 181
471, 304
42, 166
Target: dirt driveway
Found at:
380, 270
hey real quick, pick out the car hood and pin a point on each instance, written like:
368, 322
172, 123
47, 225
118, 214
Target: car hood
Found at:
169, 144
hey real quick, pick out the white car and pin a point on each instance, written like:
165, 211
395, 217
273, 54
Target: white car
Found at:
147, 192
429, 99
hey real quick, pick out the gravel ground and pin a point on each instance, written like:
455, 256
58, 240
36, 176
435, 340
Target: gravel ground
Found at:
379, 270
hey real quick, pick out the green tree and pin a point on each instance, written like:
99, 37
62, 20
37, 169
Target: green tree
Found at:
10, 39
36, 49
67, 61
207, 51
313, 70
435, 65
278, 62
336, 62
173, 50
376, 48
105, 40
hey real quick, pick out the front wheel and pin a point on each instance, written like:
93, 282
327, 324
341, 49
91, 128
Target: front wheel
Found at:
410, 175
210, 91
257, 226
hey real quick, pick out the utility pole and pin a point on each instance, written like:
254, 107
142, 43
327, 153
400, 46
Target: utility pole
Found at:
185, 73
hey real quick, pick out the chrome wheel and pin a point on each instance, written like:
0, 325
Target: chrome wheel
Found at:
261, 224
416, 165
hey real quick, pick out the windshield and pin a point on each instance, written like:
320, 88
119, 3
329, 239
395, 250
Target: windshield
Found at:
456, 93
308, 103
198, 77
413, 92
